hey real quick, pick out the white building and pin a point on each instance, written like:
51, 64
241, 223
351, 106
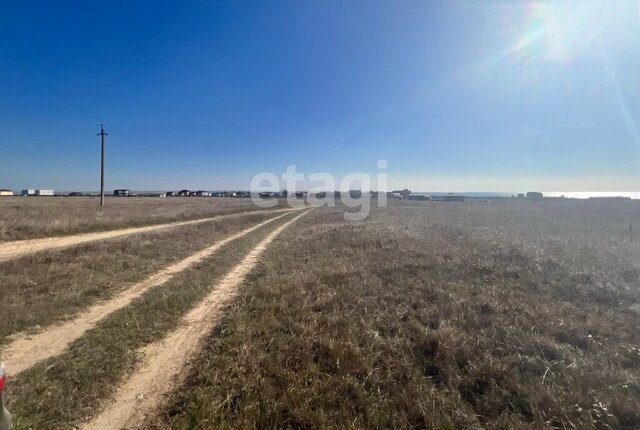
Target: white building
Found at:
5, 192
31, 192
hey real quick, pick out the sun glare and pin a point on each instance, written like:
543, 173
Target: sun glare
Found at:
556, 32
538, 35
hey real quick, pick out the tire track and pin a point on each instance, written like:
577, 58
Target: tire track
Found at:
164, 361
20, 248
24, 351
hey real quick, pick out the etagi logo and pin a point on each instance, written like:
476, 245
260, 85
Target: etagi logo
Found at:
353, 192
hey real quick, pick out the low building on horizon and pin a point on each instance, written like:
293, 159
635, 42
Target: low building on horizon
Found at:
609, 198
418, 196
534, 195
121, 192
36, 192
402, 193
454, 198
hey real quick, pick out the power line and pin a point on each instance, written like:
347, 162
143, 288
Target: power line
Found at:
102, 135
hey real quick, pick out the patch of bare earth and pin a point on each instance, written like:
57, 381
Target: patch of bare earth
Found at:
26, 350
11, 250
41, 289
31, 218
164, 361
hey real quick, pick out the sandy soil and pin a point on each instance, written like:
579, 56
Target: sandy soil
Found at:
165, 361
24, 351
11, 250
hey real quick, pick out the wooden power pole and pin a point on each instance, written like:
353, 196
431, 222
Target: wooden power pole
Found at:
102, 135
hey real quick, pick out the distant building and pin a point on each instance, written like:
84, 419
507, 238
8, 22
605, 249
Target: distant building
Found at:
184, 193
122, 192
521, 196
32, 192
534, 195
74, 194
171, 194
201, 194
150, 195
5, 192
609, 198
403, 193
454, 198
422, 197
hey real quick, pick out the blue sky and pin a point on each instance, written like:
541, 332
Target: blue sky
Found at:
455, 95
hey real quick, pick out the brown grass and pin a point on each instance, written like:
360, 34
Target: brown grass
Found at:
64, 391
504, 315
40, 289
35, 217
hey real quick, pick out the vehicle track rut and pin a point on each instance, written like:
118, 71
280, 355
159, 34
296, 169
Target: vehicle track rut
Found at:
164, 361
26, 350
20, 248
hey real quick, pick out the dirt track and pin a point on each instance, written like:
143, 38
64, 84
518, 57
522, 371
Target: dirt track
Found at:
11, 250
164, 362
27, 350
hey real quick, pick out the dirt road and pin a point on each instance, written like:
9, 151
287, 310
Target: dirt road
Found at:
11, 250
164, 362
25, 351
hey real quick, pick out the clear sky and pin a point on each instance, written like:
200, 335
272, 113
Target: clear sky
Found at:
455, 95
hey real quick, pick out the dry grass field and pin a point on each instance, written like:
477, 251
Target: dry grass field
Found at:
495, 315
35, 217
511, 315
63, 391
48, 286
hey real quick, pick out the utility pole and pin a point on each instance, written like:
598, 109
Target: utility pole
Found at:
102, 134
